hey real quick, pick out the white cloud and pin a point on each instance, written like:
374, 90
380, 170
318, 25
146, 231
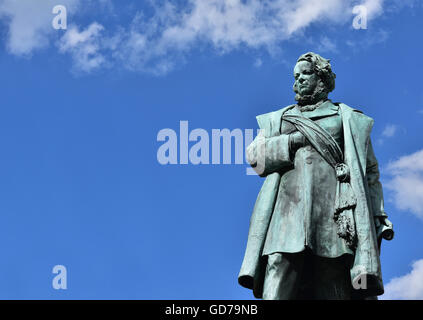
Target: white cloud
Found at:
258, 63
327, 45
84, 46
374, 7
407, 287
406, 182
390, 130
29, 23
158, 42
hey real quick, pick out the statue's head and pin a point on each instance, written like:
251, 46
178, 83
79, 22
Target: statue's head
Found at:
314, 78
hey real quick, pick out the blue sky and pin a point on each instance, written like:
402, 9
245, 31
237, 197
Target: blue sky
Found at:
81, 109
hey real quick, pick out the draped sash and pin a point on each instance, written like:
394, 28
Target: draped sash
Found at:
328, 148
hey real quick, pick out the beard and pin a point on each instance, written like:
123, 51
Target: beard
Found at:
319, 94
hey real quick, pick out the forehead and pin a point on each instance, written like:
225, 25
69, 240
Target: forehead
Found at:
302, 65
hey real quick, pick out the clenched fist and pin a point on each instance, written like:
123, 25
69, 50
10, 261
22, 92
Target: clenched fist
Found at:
296, 141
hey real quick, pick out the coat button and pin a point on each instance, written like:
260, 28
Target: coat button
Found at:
308, 148
308, 161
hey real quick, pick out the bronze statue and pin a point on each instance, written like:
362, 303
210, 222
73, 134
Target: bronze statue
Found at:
318, 221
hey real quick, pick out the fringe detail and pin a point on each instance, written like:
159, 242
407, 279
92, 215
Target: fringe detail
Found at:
345, 202
346, 227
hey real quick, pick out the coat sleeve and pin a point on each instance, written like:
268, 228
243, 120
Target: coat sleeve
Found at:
268, 155
383, 225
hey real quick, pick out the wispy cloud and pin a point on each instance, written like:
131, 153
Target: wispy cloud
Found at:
369, 39
159, 41
327, 45
258, 63
406, 182
29, 23
389, 130
84, 47
407, 287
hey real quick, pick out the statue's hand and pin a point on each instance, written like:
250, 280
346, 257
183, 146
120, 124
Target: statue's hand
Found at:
296, 141
384, 227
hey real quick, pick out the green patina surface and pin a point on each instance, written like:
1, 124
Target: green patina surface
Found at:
316, 198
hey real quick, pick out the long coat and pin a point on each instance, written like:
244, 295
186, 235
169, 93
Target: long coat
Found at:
305, 205
364, 180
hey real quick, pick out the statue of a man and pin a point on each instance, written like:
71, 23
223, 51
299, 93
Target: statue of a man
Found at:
318, 221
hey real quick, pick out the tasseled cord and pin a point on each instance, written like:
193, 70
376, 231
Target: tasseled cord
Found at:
345, 202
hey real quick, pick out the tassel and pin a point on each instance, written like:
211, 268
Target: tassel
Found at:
346, 228
345, 202
345, 197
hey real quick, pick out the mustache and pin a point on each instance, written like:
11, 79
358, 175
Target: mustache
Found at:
304, 85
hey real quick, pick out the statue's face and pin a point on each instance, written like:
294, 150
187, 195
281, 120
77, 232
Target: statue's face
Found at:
306, 80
